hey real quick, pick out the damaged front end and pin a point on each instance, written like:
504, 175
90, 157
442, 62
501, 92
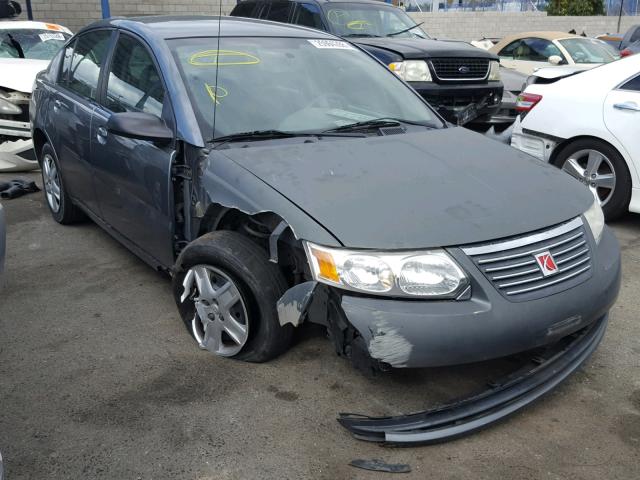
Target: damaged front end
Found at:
16, 146
545, 369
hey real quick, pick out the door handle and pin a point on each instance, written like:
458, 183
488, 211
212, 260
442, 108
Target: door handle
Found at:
57, 104
628, 106
101, 135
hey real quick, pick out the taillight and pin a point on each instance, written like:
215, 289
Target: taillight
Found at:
626, 52
526, 101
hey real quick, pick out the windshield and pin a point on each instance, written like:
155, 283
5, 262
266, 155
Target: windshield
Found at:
289, 84
589, 50
365, 20
35, 44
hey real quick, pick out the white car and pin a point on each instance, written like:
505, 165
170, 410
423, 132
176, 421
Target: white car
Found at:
26, 48
589, 125
526, 52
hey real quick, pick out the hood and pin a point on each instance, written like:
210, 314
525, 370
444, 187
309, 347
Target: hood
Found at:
23, 73
425, 48
417, 190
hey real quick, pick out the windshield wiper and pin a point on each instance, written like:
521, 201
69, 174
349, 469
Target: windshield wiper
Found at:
376, 123
405, 30
16, 45
348, 35
272, 134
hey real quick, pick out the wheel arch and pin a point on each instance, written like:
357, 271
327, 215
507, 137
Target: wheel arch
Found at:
39, 138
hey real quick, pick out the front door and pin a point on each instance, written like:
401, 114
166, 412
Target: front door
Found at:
133, 177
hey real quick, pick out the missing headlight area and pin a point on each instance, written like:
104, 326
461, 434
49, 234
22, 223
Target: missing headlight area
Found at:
16, 147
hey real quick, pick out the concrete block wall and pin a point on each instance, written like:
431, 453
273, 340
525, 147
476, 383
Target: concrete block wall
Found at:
75, 14
475, 25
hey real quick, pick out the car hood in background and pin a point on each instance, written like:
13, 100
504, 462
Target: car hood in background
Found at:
417, 190
20, 73
425, 48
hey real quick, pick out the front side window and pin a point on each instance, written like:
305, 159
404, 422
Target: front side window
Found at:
67, 56
289, 84
369, 20
34, 44
87, 60
509, 50
279, 11
308, 15
133, 84
244, 9
589, 50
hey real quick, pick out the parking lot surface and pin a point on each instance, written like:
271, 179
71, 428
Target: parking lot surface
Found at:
99, 379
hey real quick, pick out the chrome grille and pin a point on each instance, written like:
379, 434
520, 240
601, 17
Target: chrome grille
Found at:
460, 68
512, 268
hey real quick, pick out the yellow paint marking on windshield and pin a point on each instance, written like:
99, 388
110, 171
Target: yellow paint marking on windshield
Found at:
338, 17
358, 25
211, 58
216, 92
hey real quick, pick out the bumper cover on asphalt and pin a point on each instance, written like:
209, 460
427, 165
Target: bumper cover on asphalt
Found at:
545, 370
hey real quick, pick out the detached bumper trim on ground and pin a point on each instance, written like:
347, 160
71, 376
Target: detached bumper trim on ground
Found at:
544, 371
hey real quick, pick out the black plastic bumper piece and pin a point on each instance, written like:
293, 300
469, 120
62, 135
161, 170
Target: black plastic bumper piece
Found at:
544, 371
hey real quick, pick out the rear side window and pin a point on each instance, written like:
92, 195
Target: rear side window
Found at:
86, 62
134, 84
308, 15
279, 12
635, 36
633, 84
244, 9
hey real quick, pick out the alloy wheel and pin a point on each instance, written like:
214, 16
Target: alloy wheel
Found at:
595, 170
220, 323
51, 182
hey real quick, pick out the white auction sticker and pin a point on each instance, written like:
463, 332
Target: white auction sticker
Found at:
51, 36
331, 44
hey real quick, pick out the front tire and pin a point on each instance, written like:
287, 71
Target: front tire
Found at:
602, 169
60, 205
226, 291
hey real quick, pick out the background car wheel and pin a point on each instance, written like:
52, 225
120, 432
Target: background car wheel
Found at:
62, 208
602, 169
226, 291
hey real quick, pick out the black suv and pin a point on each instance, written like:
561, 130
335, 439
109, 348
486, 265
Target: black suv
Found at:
461, 81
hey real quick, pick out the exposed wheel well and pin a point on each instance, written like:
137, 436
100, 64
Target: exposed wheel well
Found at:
39, 139
259, 227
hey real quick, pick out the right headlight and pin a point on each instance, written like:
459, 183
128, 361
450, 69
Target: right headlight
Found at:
428, 273
494, 71
595, 218
412, 70
8, 108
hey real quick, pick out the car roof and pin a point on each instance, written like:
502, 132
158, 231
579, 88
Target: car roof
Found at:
178, 26
28, 25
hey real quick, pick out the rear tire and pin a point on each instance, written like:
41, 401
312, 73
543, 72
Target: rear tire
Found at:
607, 174
225, 257
63, 210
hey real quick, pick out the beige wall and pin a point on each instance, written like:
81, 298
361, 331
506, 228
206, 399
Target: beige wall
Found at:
453, 25
475, 25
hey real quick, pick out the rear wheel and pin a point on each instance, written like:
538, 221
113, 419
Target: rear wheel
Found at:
226, 291
62, 208
601, 168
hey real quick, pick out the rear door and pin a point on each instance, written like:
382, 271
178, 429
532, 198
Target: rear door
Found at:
622, 116
70, 119
133, 177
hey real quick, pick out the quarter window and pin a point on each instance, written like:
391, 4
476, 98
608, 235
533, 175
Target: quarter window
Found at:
633, 84
86, 62
134, 84
308, 15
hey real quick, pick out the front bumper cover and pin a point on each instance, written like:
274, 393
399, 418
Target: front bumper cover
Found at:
544, 371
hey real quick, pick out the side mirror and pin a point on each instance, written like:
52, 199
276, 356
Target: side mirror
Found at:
555, 59
138, 125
